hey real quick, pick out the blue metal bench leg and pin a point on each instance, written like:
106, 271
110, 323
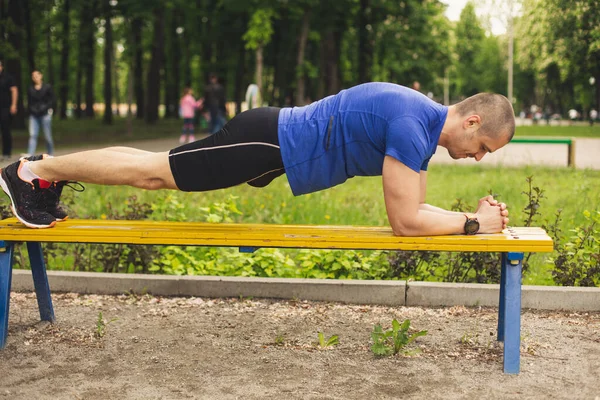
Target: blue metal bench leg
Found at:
512, 264
501, 301
5, 281
40, 281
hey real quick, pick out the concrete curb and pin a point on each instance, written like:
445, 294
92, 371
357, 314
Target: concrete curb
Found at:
393, 293
473, 294
343, 291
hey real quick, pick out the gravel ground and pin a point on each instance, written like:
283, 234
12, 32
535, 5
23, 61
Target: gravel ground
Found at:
198, 348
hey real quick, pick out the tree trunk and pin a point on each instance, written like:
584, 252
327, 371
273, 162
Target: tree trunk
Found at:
300, 59
333, 67
50, 68
64, 60
170, 62
115, 79
239, 77
78, 83
281, 68
166, 71
13, 65
322, 79
108, 54
138, 68
187, 69
176, 65
129, 101
597, 94
259, 68
82, 55
29, 35
206, 32
365, 50
2, 17
89, 46
153, 85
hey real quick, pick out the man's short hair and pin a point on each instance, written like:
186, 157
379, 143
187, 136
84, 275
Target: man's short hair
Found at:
496, 112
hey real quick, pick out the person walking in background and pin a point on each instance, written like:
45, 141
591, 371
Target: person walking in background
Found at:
253, 99
593, 116
8, 107
188, 106
41, 101
214, 100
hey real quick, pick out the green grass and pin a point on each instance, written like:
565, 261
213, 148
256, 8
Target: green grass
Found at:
360, 200
583, 131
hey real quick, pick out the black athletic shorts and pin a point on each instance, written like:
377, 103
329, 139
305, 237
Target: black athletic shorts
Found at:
246, 150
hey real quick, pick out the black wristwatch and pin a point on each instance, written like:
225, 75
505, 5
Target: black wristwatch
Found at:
471, 225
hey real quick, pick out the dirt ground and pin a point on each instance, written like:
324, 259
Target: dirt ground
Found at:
193, 348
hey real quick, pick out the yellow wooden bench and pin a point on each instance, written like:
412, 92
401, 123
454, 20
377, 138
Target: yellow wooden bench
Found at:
511, 244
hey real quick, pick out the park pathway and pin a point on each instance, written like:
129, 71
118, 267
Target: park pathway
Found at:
587, 155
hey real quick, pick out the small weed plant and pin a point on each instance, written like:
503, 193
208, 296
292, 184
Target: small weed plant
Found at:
394, 340
324, 342
101, 325
279, 340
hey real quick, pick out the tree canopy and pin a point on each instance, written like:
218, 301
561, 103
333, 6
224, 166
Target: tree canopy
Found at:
145, 52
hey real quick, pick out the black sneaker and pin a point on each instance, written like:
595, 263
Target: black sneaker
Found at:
53, 202
26, 197
52, 196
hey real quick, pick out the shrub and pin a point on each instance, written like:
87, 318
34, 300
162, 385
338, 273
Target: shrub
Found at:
577, 258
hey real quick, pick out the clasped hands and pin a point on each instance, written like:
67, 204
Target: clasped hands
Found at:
492, 215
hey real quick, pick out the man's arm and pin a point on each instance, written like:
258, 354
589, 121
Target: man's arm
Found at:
14, 96
404, 192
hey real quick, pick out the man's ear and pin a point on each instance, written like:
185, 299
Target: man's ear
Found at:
472, 123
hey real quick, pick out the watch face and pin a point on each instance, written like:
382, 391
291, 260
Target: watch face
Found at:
471, 226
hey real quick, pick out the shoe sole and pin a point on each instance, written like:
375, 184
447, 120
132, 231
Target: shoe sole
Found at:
4, 185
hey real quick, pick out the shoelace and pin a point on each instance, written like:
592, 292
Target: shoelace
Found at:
56, 189
78, 188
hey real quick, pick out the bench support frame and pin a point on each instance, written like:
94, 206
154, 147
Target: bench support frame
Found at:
509, 311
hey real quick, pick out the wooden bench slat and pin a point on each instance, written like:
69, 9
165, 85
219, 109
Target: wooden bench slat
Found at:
266, 235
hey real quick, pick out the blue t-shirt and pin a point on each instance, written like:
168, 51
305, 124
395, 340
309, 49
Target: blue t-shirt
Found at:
349, 134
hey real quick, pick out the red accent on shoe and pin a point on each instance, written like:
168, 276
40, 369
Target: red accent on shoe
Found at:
44, 184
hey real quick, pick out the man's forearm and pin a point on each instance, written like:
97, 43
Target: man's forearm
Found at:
434, 209
431, 223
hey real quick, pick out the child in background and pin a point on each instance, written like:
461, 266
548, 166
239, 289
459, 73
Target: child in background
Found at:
188, 106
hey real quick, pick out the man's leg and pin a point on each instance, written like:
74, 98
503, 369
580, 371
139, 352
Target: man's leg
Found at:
246, 150
110, 166
47, 125
34, 129
129, 150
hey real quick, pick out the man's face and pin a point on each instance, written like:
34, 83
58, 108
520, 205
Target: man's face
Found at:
475, 145
36, 77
